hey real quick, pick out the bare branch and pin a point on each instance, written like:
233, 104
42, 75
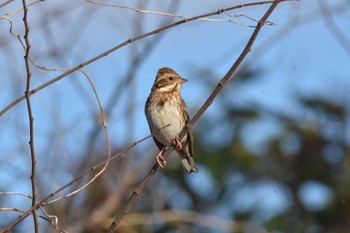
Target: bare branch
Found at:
246, 16
179, 16
16, 193
5, 3
45, 216
201, 111
30, 115
53, 220
19, 10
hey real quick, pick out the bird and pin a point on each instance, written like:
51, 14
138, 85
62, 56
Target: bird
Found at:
167, 114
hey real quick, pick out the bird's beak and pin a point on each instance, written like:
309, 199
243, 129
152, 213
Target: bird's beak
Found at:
182, 80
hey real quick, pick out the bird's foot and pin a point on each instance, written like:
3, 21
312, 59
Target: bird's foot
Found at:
177, 143
160, 160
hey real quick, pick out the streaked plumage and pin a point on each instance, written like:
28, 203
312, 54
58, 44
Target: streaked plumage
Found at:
165, 106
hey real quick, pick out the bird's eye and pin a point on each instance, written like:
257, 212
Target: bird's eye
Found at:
171, 78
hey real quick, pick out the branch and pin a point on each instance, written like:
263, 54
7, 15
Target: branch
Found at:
30, 115
179, 16
5, 3
131, 40
16, 193
19, 10
49, 218
196, 117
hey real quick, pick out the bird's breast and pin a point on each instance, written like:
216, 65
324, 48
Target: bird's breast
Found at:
160, 115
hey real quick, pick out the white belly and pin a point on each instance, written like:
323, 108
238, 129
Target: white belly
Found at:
162, 116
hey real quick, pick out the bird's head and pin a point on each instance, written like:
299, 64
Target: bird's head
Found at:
168, 80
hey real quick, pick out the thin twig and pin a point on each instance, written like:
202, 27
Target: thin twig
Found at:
196, 117
16, 193
30, 115
19, 10
5, 3
131, 40
46, 217
21, 211
178, 16
53, 220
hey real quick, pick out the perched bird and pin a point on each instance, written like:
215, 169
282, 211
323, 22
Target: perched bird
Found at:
165, 106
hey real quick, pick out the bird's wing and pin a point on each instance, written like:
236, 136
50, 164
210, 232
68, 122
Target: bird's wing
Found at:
189, 135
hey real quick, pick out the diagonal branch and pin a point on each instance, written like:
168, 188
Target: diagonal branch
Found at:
5, 3
131, 40
200, 112
19, 10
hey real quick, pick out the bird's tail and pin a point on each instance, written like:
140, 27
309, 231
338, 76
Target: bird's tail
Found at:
189, 165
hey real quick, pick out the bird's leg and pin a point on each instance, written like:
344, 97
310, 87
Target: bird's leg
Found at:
160, 160
177, 143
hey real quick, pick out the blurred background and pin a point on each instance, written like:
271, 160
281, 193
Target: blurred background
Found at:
272, 150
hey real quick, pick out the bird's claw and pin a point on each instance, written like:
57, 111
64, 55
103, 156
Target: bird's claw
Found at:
177, 143
160, 160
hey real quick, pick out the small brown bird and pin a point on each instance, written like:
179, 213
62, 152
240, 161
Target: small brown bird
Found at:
165, 106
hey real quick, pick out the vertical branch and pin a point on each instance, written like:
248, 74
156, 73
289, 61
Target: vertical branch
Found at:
30, 115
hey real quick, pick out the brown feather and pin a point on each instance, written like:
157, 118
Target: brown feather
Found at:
165, 105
